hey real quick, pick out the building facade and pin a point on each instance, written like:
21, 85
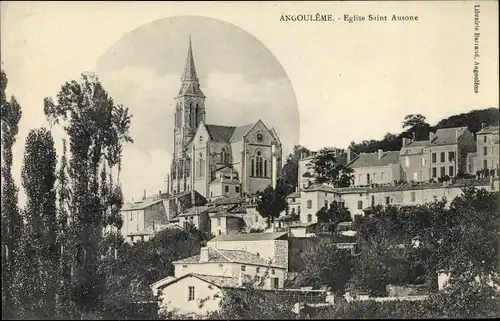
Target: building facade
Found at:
218, 160
376, 168
487, 151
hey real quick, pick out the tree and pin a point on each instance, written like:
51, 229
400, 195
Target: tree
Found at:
327, 169
324, 266
333, 215
11, 221
97, 128
413, 121
39, 243
271, 202
290, 171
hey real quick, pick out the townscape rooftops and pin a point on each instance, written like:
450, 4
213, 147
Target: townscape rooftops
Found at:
249, 237
226, 256
489, 130
228, 200
447, 136
372, 159
140, 205
195, 210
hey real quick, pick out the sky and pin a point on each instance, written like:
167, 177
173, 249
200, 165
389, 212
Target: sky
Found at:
319, 84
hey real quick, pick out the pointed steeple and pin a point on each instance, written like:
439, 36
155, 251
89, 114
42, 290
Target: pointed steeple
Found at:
190, 69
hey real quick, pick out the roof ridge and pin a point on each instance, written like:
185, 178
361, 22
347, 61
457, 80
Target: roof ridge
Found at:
218, 251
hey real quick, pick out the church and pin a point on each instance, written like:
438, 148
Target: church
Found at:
217, 160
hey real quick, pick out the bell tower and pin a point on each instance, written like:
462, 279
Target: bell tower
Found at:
189, 105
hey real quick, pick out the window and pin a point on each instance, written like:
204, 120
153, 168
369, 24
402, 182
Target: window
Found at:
237, 189
201, 138
485, 163
442, 157
484, 138
433, 157
221, 265
258, 165
256, 218
184, 266
434, 172
387, 200
137, 227
218, 221
309, 217
360, 205
201, 166
413, 196
226, 189
191, 293
326, 204
131, 215
451, 156
243, 268
451, 171
258, 270
443, 171
470, 167
265, 168
309, 204
407, 161
485, 150
367, 178
219, 232
273, 271
373, 200
252, 167
274, 283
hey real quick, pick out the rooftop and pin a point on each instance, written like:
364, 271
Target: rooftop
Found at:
195, 210
249, 237
139, 205
226, 256
488, 130
228, 133
447, 136
372, 159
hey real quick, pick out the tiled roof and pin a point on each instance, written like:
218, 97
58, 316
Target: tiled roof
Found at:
447, 136
226, 256
240, 132
195, 210
141, 204
228, 200
219, 281
320, 187
294, 195
414, 148
220, 133
419, 143
248, 237
371, 159
489, 130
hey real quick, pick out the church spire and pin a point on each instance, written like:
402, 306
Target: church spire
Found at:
190, 69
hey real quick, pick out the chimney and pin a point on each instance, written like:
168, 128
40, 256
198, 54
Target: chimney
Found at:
380, 152
144, 197
204, 254
431, 137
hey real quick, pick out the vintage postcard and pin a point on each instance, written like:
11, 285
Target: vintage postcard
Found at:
250, 160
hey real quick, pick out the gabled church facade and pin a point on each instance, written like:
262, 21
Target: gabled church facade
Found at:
217, 160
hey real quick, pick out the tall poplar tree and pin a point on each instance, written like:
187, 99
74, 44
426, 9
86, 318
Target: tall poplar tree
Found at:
96, 128
39, 243
11, 222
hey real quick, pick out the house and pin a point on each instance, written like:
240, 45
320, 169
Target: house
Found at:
487, 151
146, 214
313, 198
224, 222
198, 216
376, 168
293, 201
149, 232
233, 263
414, 158
448, 149
271, 247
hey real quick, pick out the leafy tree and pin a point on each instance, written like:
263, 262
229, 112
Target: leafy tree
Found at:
325, 266
334, 215
271, 202
290, 171
11, 220
97, 129
327, 169
39, 244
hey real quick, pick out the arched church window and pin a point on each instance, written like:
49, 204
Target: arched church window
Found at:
265, 168
192, 116
201, 163
258, 165
198, 114
252, 167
